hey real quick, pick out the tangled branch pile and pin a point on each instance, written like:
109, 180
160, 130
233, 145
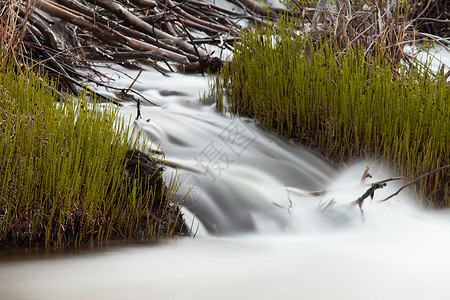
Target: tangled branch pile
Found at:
376, 26
169, 35
432, 17
369, 24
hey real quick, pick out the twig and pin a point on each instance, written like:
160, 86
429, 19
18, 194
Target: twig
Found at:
365, 175
415, 180
138, 105
323, 192
131, 85
329, 203
441, 41
370, 192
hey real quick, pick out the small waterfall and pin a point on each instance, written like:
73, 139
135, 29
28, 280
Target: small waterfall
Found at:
237, 173
243, 179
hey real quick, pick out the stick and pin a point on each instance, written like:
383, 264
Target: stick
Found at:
172, 6
55, 64
415, 180
138, 115
131, 85
125, 15
365, 175
370, 192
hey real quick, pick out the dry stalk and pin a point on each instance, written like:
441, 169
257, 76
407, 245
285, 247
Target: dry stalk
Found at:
13, 16
370, 24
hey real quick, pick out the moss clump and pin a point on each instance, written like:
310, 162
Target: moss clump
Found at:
62, 170
348, 105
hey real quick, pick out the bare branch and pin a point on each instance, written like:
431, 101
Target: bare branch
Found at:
415, 180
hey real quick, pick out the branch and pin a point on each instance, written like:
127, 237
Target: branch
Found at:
370, 192
128, 17
415, 180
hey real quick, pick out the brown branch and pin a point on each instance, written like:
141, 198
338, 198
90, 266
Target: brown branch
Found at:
129, 32
64, 14
54, 63
415, 180
145, 3
221, 28
365, 175
125, 15
254, 7
106, 34
131, 85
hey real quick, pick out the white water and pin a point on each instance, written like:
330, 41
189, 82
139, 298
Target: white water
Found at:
259, 235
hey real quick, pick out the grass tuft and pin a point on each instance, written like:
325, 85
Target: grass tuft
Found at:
348, 104
62, 167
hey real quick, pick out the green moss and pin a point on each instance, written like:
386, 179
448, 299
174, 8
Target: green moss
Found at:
62, 170
348, 105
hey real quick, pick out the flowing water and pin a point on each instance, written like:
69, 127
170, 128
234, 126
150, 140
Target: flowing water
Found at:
259, 233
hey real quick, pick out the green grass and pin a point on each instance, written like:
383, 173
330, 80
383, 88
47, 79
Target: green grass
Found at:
62, 166
348, 105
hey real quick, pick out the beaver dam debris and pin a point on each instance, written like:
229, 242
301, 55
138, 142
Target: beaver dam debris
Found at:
168, 35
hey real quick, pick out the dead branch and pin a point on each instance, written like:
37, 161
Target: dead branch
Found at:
221, 28
145, 3
370, 192
64, 14
416, 180
55, 64
365, 175
106, 34
254, 7
125, 15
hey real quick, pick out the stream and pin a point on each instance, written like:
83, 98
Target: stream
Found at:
259, 234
